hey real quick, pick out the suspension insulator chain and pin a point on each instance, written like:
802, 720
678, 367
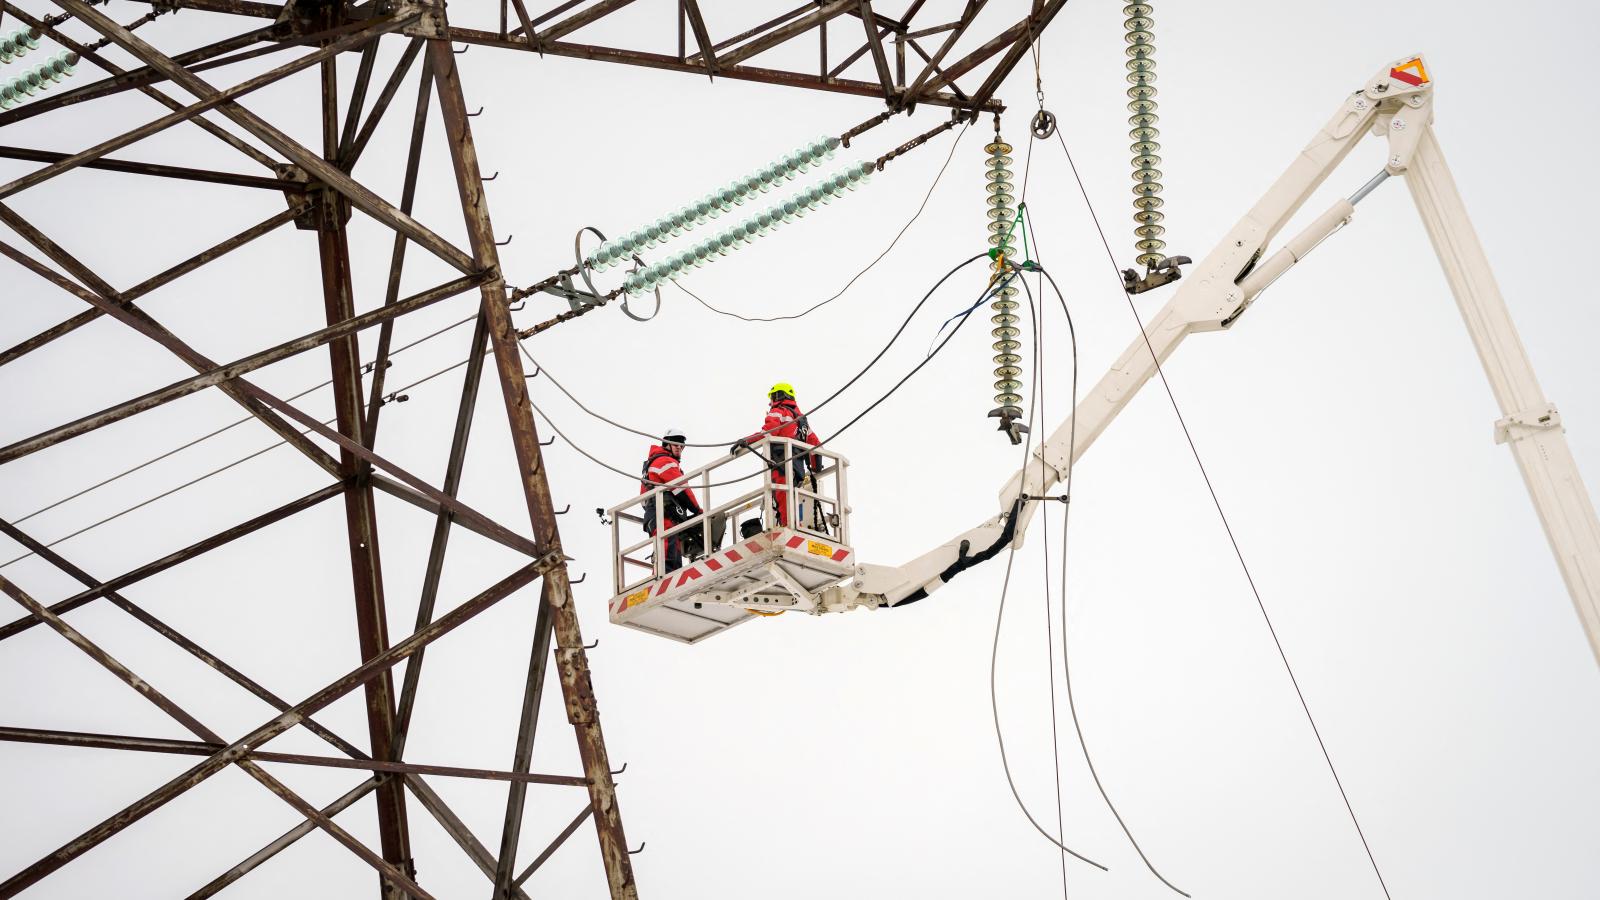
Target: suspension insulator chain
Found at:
1147, 216
1002, 299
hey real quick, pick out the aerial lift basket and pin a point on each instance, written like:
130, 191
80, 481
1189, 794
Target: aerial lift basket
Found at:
742, 560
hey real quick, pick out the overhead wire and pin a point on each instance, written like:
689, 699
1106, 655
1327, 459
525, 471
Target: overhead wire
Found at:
994, 653
1066, 669
1227, 527
219, 470
209, 435
574, 444
879, 258
906, 322
836, 434
1044, 416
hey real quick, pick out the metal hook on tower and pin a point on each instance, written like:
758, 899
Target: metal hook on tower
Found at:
508, 240
474, 115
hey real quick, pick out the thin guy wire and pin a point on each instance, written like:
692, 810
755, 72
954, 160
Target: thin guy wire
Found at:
903, 229
1260, 604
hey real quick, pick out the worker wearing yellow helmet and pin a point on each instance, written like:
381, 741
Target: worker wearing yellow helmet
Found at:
784, 420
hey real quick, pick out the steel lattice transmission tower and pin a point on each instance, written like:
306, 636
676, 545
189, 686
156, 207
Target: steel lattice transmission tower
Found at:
322, 195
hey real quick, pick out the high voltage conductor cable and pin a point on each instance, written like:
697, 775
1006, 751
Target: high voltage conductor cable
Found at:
1066, 670
1233, 541
994, 656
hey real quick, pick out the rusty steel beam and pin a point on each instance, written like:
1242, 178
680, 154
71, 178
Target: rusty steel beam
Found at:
752, 32
1005, 39
176, 637
505, 538
110, 302
702, 37
1035, 23
23, 348
921, 85
131, 167
320, 169
149, 692
361, 514
573, 23
227, 536
197, 774
671, 63
880, 62
557, 592
522, 758
458, 830
260, 403
344, 802
184, 113
397, 254
358, 98
250, 8
441, 527
211, 254
824, 13
431, 801
349, 155
99, 741
208, 126
529, 26
223, 375
197, 60
573, 826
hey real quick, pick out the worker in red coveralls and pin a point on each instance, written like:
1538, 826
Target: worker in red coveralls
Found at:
661, 467
785, 420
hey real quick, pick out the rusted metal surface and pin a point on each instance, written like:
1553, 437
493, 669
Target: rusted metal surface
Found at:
335, 334
204, 748
322, 191
143, 168
361, 515
527, 729
166, 562
554, 845
535, 485
157, 798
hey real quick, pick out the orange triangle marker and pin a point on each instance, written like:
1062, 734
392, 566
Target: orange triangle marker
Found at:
1411, 73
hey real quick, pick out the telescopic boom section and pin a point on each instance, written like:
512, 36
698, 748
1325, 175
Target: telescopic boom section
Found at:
1396, 102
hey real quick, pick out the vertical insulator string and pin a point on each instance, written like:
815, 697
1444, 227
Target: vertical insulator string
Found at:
1139, 26
1002, 225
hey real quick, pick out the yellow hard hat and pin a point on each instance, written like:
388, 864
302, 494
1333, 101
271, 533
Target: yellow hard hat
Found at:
783, 386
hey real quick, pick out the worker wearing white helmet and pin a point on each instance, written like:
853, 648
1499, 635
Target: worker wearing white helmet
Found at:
661, 467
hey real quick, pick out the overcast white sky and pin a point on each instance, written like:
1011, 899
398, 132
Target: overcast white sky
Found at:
1345, 422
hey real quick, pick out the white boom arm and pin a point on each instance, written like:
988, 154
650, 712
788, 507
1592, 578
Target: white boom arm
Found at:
1396, 103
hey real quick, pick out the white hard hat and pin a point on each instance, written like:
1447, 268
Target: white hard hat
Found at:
674, 436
